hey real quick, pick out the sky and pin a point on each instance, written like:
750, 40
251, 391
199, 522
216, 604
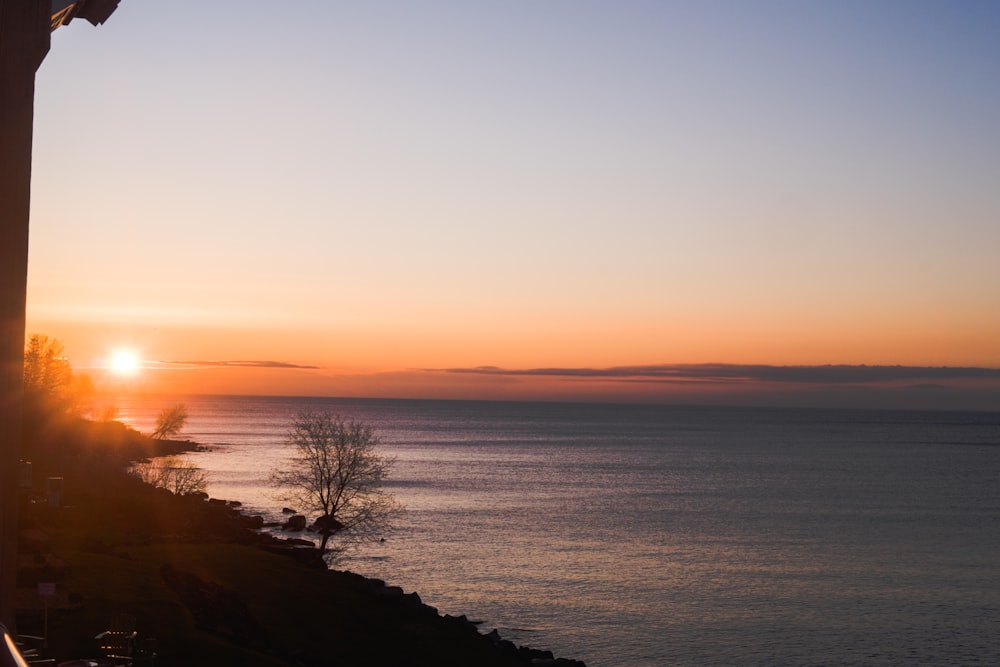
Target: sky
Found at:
739, 202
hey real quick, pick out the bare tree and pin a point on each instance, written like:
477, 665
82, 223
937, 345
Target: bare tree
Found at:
173, 473
170, 422
337, 473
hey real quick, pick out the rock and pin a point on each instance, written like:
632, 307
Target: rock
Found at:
308, 556
390, 592
295, 523
537, 656
288, 510
326, 524
556, 662
413, 600
463, 622
299, 542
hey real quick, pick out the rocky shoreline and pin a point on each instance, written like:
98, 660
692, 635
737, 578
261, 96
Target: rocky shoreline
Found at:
207, 581
305, 552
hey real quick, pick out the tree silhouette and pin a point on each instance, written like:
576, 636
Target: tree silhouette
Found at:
337, 473
170, 422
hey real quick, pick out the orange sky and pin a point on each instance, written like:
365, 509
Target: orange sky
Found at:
783, 185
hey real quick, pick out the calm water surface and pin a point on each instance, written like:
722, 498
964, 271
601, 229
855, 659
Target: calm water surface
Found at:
648, 536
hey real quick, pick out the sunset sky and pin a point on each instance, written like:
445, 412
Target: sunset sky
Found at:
668, 201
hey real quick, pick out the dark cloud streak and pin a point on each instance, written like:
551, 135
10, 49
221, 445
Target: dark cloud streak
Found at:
739, 373
234, 364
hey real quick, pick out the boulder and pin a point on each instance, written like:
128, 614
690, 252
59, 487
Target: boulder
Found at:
299, 542
295, 523
326, 524
390, 592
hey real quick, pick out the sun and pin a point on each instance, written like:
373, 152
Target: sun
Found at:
124, 362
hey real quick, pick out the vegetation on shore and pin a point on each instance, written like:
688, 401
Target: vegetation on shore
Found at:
337, 472
199, 578
205, 586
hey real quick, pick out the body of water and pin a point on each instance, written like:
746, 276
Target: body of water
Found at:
650, 536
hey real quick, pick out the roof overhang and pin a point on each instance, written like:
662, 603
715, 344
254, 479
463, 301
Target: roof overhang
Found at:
95, 11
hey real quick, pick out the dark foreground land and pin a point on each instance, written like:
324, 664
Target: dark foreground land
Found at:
204, 586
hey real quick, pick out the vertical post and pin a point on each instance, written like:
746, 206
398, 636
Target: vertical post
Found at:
24, 41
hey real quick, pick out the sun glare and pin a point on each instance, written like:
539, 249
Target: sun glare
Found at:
124, 362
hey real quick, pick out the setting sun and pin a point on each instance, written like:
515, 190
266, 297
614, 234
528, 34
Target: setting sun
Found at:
124, 362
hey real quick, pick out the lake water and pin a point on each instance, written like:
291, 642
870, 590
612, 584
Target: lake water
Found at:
648, 536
